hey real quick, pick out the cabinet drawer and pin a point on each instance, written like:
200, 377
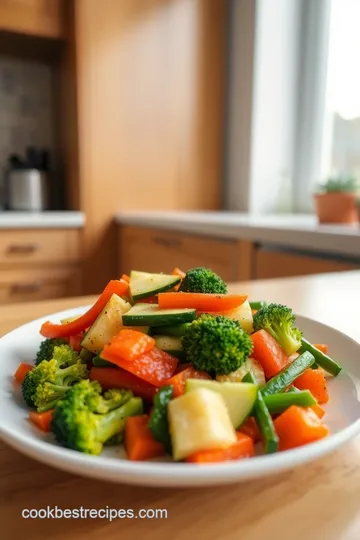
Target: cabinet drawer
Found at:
39, 246
39, 284
271, 263
160, 251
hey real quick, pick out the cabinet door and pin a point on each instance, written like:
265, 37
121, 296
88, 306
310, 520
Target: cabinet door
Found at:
271, 263
33, 284
160, 251
37, 17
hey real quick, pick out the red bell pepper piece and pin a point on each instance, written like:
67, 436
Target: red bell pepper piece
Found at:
42, 420
119, 378
22, 371
50, 330
129, 344
155, 366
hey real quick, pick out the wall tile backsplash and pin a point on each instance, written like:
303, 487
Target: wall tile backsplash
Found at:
26, 107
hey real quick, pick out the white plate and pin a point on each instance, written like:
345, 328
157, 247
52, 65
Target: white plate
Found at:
343, 418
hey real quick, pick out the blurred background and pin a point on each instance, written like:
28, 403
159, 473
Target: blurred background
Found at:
162, 133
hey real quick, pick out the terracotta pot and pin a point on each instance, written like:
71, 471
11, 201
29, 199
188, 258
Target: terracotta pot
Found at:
336, 207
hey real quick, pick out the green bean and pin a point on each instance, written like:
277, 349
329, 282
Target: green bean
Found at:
287, 376
321, 359
278, 403
263, 420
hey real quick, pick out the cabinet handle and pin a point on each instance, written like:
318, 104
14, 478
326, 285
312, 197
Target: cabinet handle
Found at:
168, 242
22, 248
22, 288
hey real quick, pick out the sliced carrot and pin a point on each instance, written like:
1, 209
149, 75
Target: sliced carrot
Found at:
315, 381
178, 381
129, 344
139, 441
269, 353
243, 448
126, 278
318, 410
21, 371
181, 274
119, 378
200, 301
250, 428
42, 420
253, 311
51, 330
321, 347
298, 426
155, 366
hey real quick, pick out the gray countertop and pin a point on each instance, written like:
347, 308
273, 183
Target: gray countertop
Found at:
42, 220
290, 230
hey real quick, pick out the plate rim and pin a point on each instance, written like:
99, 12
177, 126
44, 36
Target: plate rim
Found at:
169, 474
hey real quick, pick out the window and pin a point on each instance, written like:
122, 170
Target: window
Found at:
341, 128
293, 108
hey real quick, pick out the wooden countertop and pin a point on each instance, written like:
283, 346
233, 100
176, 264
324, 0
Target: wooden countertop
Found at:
321, 500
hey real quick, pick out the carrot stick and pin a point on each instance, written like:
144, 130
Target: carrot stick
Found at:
315, 381
21, 371
42, 420
243, 448
269, 353
140, 444
200, 301
298, 426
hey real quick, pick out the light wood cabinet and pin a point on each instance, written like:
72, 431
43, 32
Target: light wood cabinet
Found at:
159, 250
39, 246
155, 250
43, 18
277, 262
36, 264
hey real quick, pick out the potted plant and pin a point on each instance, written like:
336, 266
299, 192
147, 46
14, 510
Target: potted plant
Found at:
336, 201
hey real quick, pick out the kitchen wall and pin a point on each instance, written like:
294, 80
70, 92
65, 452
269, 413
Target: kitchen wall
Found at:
26, 107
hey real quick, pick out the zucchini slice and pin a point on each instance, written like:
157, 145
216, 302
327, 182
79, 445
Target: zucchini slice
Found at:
170, 344
152, 315
143, 284
107, 325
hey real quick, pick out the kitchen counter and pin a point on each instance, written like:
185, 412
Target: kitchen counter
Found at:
317, 500
294, 231
42, 220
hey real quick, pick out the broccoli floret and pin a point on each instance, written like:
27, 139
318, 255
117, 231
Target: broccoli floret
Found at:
85, 421
46, 349
216, 344
203, 280
278, 320
49, 381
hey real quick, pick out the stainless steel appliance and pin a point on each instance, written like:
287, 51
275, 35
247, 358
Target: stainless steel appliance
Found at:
27, 181
28, 189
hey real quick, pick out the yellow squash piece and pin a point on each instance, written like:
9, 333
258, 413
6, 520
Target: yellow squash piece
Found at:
199, 420
107, 325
